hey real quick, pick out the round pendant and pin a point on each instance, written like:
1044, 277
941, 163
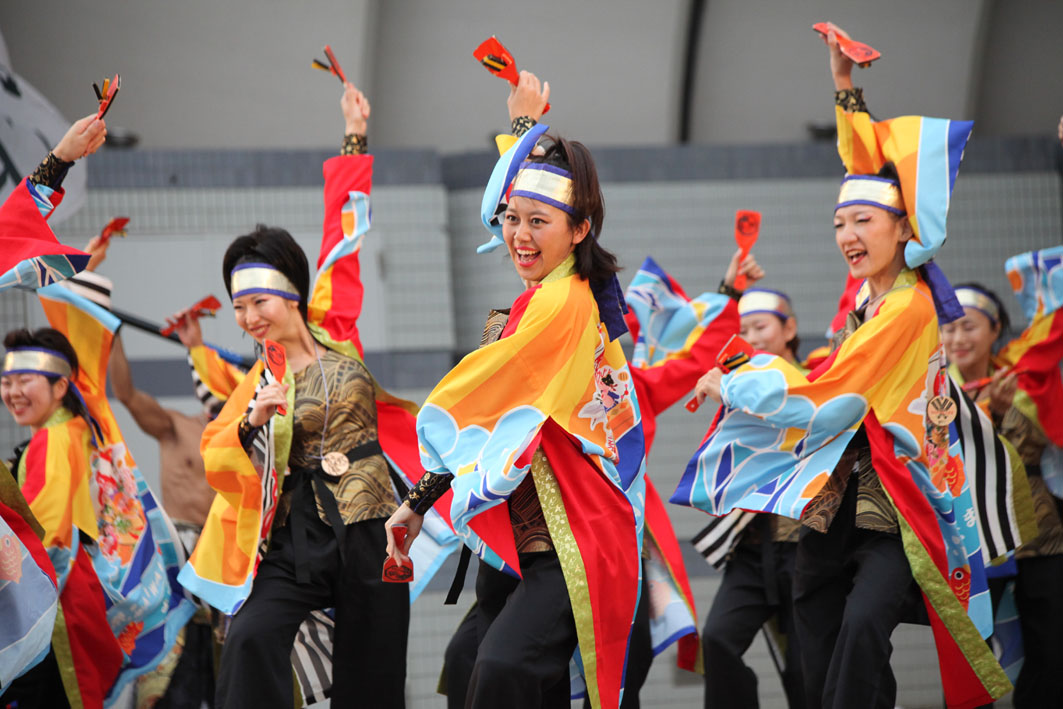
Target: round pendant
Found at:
941, 411
335, 464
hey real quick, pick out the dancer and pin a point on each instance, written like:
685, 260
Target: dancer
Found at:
186, 675
675, 339
320, 543
111, 547
969, 343
860, 450
539, 434
30, 254
38, 390
759, 554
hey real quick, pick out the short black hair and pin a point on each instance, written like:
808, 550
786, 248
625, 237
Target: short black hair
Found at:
51, 339
276, 247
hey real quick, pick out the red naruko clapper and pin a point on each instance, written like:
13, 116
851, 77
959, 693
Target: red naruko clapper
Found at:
733, 355
859, 52
394, 572
277, 361
498, 60
747, 229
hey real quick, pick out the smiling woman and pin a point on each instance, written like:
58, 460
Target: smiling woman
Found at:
871, 227
555, 205
867, 462
298, 462
30, 396
540, 434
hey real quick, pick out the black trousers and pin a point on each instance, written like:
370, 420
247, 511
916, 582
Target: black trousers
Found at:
192, 682
372, 622
1039, 598
527, 635
40, 686
461, 651
852, 587
459, 658
741, 607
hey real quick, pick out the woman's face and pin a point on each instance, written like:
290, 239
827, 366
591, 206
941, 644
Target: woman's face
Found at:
32, 398
870, 238
266, 317
768, 333
538, 237
969, 341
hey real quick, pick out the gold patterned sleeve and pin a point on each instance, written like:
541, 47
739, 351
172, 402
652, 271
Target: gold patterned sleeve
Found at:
850, 100
354, 144
521, 125
427, 491
50, 172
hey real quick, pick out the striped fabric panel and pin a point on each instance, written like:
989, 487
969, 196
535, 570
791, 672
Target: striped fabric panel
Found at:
312, 657
207, 398
988, 466
262, 444
720, 536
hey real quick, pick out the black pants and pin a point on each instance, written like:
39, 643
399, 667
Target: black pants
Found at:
1039, 598
741, 607
40, 686
460, 656
372, 621
192, 682
526, 637
852, 587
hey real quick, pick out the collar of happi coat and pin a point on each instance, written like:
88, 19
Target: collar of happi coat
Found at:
905, 279
563, 270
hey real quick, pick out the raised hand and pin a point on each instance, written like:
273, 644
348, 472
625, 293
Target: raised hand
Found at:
83, 138
355, 109
97, 251
841, 66
748, 266
529, 97
186, 324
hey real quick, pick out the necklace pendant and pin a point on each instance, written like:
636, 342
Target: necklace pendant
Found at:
335, 464
941, 411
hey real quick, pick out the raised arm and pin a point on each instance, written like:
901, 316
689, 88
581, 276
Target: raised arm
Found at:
146, 411
83, 138
336, 301
526, 102
841, 66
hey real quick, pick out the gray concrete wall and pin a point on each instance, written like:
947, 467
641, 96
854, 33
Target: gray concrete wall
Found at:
196, 73
763, 74
236, 74
1022, 83
611, 64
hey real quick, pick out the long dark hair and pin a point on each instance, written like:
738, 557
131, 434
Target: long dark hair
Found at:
51, 339
276, 247
593, 262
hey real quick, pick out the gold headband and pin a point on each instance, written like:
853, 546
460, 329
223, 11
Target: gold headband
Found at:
261, 278
35, 361
868, 189
544, 183
764, 301
971, 298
